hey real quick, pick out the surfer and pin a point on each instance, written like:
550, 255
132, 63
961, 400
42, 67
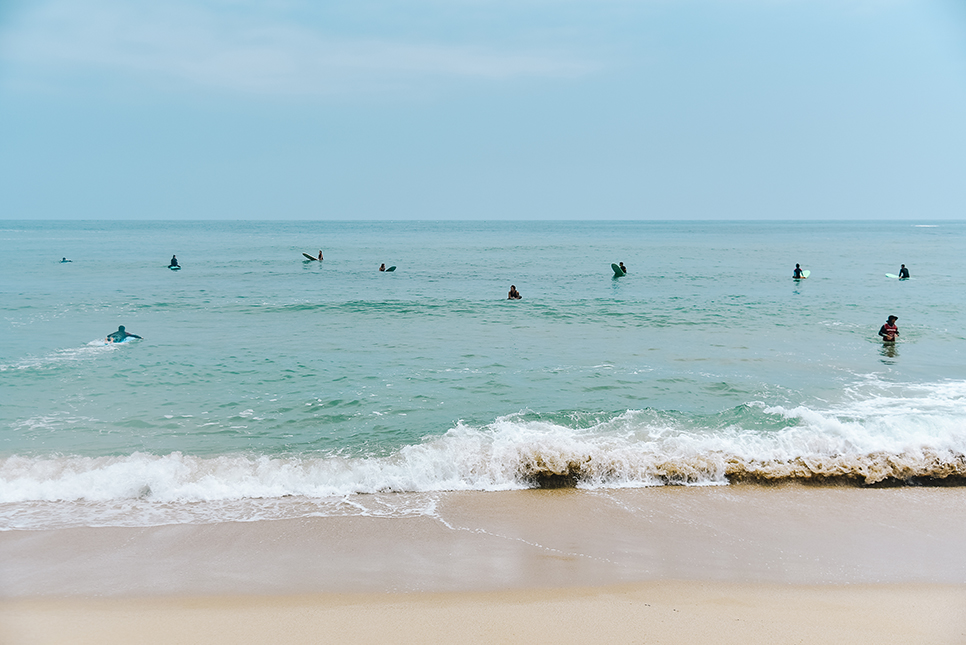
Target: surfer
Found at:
514, 294
623, 268
903, 273
382, 267
174, 262
120, 335
320, 255
889, 331
66, 260
797, 273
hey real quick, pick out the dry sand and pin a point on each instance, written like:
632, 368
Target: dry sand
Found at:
724, 565
657, 612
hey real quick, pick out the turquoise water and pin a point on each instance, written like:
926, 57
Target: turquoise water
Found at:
264, 376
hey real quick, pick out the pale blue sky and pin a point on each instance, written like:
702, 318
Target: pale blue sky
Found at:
483, 109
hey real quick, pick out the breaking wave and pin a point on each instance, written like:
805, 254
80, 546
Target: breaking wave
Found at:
916, 437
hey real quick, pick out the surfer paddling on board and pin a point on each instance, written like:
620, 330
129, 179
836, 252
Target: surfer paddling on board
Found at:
174, 262
798, 274
514, 294
903, 273
889, 331
120, 335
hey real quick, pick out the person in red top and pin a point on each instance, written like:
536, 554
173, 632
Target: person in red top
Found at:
889, 331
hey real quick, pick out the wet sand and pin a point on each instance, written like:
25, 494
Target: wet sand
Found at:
735, 564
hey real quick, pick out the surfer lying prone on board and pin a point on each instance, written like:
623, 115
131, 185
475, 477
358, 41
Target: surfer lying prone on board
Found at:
120, 335
889, 331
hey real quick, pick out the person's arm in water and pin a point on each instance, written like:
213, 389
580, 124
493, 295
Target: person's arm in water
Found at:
118, 336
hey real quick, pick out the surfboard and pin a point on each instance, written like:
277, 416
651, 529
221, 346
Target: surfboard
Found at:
618, 272
174, 268
310, 257
895, 277
805, 274
392, 268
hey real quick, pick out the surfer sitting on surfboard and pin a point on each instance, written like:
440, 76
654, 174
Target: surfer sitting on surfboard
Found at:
514, 294
120, 335
889, 331
903, 273
798, 274
174, 262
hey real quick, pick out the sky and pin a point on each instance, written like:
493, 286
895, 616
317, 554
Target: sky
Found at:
483, 109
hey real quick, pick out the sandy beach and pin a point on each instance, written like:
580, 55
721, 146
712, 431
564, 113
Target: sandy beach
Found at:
660, 612
736, 564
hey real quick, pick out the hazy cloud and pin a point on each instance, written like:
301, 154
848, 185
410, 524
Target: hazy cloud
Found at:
259, 52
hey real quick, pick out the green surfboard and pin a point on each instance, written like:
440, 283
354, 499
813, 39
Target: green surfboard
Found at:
618, 272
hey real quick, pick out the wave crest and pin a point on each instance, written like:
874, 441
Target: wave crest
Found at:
892, 441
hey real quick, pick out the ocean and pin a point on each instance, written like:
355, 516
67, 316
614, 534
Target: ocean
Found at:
269, 386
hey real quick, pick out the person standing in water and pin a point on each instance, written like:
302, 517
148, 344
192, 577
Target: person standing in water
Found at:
797, 273
320, 255
514, 294
623, 268
889, 331
120, 335
382, 267
903, 273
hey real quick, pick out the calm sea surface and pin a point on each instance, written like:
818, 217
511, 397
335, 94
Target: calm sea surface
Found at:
267, 385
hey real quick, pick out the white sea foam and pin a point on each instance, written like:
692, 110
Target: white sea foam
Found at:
915, 435
86, 352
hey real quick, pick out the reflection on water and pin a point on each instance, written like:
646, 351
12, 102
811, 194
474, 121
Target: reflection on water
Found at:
889, 353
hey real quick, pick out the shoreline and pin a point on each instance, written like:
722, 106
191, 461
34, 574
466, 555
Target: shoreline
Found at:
473, 541
725, 564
